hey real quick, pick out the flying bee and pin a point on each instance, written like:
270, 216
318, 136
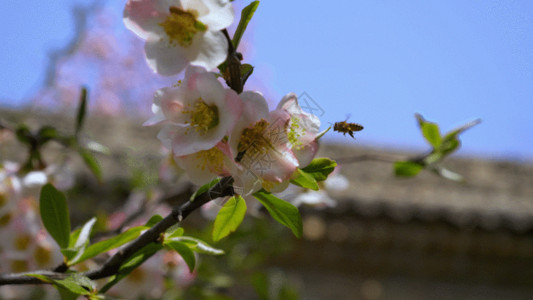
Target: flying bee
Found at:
347, 128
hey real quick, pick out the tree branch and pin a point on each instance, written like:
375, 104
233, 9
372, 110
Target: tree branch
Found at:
112, 265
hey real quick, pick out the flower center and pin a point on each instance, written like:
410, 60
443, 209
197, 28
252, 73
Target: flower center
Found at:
181, 26
202, 116
254, 138
212, 159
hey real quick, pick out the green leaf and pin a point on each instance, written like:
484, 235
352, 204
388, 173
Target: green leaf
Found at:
82, 108
282, 211
131, 264
454, 133
66, 294
79, 239
174, 233
75, 283
261, 285
246, 71
320, 168
445, 173
185, 252
204, 188
23, 134
46, 133
430, 131
153, 220
229, 217
321, 134
91, 162
109, 244
407, 168
197, 245
305, 180
85, 233
246, 15
54, 214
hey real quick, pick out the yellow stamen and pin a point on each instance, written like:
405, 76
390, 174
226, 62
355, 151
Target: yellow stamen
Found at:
181, 26
254, 138
43, 256
202, 116
19, 265
295, 132
212, 159
22, 242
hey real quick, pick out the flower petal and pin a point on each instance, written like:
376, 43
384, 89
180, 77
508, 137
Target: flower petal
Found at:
165, 59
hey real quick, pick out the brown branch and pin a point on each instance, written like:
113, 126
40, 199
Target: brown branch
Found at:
112, 265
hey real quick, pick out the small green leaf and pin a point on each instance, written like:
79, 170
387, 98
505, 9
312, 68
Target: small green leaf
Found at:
85, 233
197, 245
23, 134
445, 173
204, 188
46, 133
454, 133
321, 134
282, 211
407, 168
320, 168
109, 244
153, 220
54, 214
175, 232
75, 283
131, 264
303, 179
246, 71
430, 131
91, 162
79, 239
82, 108
449, 146
185, 252
229, 217
261, 285
246, 15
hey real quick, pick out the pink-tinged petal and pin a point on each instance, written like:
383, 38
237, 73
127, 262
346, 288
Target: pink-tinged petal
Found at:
276, 187
143, 16
220, 16
208, 49
306, 153
254, 108
163, 58
193, 167
289, 103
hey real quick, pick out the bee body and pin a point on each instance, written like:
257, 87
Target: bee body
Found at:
347, 128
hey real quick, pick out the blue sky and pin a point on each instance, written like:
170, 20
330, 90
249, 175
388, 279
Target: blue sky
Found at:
377, 61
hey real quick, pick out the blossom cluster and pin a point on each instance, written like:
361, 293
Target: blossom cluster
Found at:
25, 244
211, 130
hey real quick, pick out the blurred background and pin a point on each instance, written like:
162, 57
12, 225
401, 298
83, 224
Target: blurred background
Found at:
374, 63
